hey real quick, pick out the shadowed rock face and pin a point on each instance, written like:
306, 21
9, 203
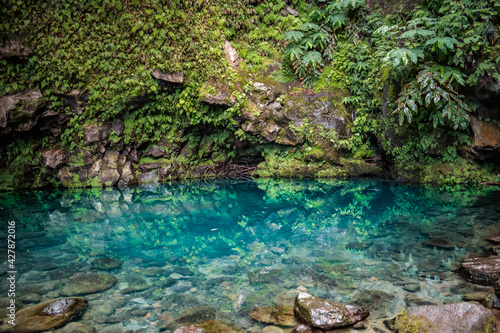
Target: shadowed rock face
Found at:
47, 315
324, 314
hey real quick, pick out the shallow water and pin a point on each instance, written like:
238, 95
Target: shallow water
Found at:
236, 245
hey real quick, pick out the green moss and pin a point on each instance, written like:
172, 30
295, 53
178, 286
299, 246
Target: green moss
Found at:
405, 324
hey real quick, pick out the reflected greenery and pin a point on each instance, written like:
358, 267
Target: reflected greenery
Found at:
207, 219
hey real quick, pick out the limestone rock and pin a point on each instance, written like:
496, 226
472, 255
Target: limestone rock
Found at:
108, 173
54, 157
231, 54
480, 270
106, 264
292, 11
486, 142
447, 318
47, 316
326, 315
275, 314
15, 47
174, 77
84, 284
92, 133
217, 94
209, 326
20, 112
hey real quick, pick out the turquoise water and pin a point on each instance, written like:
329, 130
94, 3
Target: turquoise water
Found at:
234, 245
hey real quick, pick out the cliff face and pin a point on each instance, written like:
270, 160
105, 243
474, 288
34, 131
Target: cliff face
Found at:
123, 93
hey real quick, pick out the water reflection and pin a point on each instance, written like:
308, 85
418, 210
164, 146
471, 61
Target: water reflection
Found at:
241, 244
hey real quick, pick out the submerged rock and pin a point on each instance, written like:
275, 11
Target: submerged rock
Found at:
324, 314
135, 283
209, 326
106, 264
480, 270
188, 316
447, 318
84, 284
47, 316
77, 328
275, 314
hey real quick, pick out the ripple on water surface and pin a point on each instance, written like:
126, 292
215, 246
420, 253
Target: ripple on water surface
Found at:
153, 258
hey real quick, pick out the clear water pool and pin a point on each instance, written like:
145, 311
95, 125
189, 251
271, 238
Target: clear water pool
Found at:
222, 248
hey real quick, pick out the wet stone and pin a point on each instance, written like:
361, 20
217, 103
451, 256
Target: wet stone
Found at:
106, 264
376, 300
264, 275
275, 314
30, 298
135, 283
209, 326
480, 270
77, 328
324, 314
412, 287
83, 284
440, 243
188, 316
457, 318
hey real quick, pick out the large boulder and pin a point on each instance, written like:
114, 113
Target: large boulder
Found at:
284, 113
326, 315
480, 270
15, 47
463, 317
47, 316
20, 112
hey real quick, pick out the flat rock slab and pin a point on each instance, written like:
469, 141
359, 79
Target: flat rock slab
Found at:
47, 316
326, 315
209, 326
463, 317
275, 314
480, 270
84, 284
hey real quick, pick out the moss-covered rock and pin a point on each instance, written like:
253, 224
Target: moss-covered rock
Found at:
456, 317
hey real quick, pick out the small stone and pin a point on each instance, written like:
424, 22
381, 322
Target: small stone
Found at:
413, 287
360, 326
176, 276
193, 290
477, 296
77, 328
